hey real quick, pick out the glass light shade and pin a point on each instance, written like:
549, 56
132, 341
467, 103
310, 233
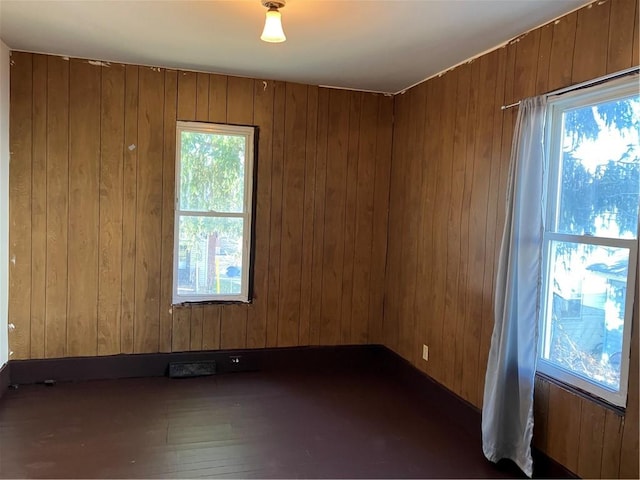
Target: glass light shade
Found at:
273, 32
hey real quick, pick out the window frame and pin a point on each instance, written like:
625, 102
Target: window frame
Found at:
249, 132
554, 130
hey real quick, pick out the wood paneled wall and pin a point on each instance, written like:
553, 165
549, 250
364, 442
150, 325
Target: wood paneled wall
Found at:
451, 152
91, 210
91, 215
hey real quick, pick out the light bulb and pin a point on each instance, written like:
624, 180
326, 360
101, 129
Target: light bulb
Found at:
273, 32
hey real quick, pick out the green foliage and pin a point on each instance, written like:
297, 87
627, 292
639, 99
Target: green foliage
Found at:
211, 180
585, 122
610, 194
212, 172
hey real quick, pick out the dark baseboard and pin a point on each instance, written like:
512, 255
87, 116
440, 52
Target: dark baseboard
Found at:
156, 364
365, 358
5, 378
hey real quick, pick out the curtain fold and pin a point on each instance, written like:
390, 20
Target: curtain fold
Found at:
507, 412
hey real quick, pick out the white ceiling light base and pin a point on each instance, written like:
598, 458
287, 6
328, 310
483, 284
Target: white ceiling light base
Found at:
273, 32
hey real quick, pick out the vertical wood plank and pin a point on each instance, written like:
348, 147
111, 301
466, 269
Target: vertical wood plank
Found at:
427, 330
419, 171
384, 136
168, 206
111, 221
544, 58
562, 47
391, 326
494, 187
187, 96
564, 427
334, 218
275, 229
263, 118
39, 208
240, 100
129, 212
318, 217
467, 322
592, 424
540, 414
211, 327
149, 206
181, 338
611, 443
195, 339
364, 186
346, 316
20, 118
454, 329
479, 292
464, 284
293, 214
308, 209
635, 56
527, 50
590, 53
202, 97
57, 206
411, 222
84, 208
422, 325
233, 332
217, 98
442, 174
422, 269
621, 39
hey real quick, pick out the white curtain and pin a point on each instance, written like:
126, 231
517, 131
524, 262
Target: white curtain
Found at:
507, 412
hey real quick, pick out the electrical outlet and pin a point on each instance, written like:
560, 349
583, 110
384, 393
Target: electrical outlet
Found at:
425, 353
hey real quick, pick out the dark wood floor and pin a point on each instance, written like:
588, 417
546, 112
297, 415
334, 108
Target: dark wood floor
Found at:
247, 425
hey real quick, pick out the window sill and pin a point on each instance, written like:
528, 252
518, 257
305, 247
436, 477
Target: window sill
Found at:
620, 411
211, 302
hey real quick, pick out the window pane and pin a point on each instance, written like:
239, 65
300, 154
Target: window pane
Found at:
212, 172
600, 172
210, 256
586, 302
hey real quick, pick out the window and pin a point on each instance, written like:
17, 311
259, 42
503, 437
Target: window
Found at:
591, 238
213, 212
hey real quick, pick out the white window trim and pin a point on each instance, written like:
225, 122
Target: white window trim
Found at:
556, 107
247, 213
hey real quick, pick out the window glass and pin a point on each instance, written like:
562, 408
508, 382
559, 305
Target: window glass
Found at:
214, 172
587, 310
213, 259
590, 240
599, 179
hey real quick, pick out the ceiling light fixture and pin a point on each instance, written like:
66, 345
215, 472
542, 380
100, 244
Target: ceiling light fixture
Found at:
273, 32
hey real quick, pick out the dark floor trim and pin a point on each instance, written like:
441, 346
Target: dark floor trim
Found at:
370, 358
156, 364
5, 378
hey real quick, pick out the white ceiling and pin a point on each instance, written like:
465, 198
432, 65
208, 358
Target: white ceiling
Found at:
376, 45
